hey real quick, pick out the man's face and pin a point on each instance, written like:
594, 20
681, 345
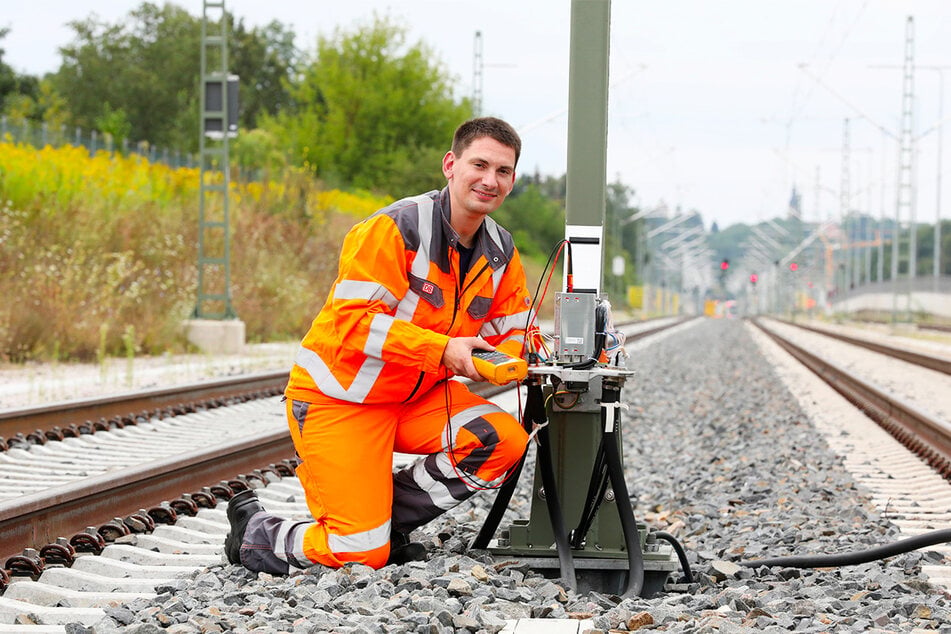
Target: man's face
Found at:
481, 177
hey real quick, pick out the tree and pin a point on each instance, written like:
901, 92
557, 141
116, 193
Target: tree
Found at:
115, 123
372, 112
7, 76
15, 89
41, 105
145, 67
263, 59
148, 68
256, 151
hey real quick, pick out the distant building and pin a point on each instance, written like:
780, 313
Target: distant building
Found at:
795, 205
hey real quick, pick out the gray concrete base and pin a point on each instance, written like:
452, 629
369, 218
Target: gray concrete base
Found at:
216, 336
937, 304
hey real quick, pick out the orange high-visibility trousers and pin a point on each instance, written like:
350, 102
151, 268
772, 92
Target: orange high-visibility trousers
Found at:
347, 450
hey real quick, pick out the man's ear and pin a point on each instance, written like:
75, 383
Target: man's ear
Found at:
447, 163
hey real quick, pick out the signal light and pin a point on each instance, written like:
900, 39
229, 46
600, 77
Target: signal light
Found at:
724, 265
793, 266
753, 278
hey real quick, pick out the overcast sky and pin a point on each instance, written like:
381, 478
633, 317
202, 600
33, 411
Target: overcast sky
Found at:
716, 106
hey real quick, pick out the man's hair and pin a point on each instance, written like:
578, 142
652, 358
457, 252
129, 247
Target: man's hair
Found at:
486, 126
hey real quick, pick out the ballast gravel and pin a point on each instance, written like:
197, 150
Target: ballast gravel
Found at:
716, 451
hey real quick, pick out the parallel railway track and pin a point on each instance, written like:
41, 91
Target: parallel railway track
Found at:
57, 420
923, 433
938, 364
903, 484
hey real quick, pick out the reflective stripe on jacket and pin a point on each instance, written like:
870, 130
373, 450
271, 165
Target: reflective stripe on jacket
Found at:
398, 299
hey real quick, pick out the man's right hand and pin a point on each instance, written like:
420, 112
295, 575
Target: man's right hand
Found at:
458, 356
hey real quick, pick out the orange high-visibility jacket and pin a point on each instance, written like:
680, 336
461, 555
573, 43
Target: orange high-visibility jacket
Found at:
399, 298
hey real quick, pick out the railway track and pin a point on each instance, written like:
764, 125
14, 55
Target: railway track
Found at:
924, 433
933, 362
911, 493
36, 425
131, 496
153, 538
160, 443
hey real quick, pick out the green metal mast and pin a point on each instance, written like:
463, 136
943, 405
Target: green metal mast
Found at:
587, 139
214, 237
581, 525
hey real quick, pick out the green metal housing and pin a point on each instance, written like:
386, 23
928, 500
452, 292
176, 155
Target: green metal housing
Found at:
601, 564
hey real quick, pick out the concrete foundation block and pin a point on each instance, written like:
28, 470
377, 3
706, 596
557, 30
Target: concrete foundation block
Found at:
216, 336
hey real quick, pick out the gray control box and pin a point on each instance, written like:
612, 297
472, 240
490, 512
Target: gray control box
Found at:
574, 326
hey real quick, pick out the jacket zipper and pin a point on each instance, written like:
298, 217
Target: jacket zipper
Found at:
472, 279
419, 381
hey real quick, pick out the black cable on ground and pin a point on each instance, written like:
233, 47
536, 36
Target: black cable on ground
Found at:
942, 536
681, 553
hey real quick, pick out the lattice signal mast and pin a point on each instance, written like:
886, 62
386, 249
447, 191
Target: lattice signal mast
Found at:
905, 204
219, 117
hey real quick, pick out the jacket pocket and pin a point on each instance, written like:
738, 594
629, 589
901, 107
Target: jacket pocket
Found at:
479, 307
427, 290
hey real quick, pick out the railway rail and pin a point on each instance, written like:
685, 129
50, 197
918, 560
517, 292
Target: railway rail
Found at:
55, 421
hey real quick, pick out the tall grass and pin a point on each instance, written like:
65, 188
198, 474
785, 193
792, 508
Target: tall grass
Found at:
98, 254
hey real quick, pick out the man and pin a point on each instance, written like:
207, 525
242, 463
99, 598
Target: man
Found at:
421, 284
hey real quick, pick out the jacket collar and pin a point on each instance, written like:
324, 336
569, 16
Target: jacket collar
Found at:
483, 242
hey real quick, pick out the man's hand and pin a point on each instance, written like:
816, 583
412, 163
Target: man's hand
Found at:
458, 356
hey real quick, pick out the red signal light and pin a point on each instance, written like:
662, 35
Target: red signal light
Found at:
793, 266
753, 278
724, 265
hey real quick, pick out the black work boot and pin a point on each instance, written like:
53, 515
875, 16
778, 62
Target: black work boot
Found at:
403, 550
240, 509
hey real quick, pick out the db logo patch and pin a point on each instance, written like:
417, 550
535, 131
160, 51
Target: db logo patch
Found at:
428, 288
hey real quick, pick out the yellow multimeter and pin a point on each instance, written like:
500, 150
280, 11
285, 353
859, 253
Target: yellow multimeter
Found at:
498, 367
